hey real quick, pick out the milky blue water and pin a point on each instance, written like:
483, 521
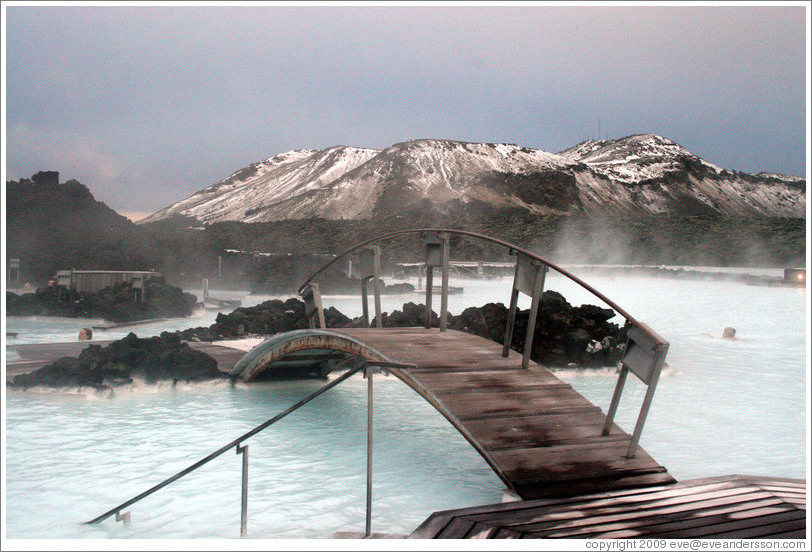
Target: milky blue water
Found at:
722, 407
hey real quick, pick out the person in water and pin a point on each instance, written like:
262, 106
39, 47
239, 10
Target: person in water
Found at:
727, 333
85, 334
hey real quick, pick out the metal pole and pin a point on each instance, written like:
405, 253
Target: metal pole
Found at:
244, 497
429, 284
368, 527
313, 306
444, 294
376, 285
322, 322
364, 302
610, 415
511, 319
641, 418
538, 287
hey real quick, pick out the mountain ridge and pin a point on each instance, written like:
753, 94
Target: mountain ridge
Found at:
52, 226
637, 174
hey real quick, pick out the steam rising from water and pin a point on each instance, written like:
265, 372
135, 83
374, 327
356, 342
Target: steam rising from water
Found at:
614, 242
722, 407
594, 241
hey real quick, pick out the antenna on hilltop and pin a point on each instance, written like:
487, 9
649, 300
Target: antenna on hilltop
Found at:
599, 129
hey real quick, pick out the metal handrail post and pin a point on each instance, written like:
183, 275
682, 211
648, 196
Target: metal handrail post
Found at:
652, 386
610, 414
511, 319
244, 491
538, 287
370, 407
370, 268
364, 302
429, 285
376, 286
444, 293
436, 256
313, 305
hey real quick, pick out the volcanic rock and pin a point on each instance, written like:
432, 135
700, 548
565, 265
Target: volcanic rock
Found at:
154, 359
564, 334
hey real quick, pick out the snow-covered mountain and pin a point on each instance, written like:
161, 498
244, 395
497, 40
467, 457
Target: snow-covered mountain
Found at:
246, 193
640, 174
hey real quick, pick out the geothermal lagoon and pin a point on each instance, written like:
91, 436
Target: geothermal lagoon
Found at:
722, 407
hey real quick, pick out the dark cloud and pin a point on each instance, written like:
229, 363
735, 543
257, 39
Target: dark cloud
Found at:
148, 104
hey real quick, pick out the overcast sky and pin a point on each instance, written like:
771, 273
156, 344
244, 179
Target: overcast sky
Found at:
146, 105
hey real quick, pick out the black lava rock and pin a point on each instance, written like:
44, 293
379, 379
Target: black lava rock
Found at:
564, 335
153, 359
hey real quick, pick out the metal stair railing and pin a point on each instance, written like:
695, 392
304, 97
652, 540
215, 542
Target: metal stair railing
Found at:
369, 368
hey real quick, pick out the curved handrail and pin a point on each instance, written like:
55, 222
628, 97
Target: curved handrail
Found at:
654, 336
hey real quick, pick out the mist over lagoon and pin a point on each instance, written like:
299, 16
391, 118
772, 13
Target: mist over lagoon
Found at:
722, 407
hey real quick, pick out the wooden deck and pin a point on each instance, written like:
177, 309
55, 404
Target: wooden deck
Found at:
540, 436
729, 507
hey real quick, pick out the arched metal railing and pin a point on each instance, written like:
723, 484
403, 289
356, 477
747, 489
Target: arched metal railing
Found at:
645, 350
511, 247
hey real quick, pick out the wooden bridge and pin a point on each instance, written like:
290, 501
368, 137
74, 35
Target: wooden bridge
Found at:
540, 436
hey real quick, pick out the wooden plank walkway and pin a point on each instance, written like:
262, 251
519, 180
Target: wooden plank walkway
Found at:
728, 507
36, 355
540, 436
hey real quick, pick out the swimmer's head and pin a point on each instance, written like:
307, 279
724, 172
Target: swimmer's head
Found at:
729, 333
